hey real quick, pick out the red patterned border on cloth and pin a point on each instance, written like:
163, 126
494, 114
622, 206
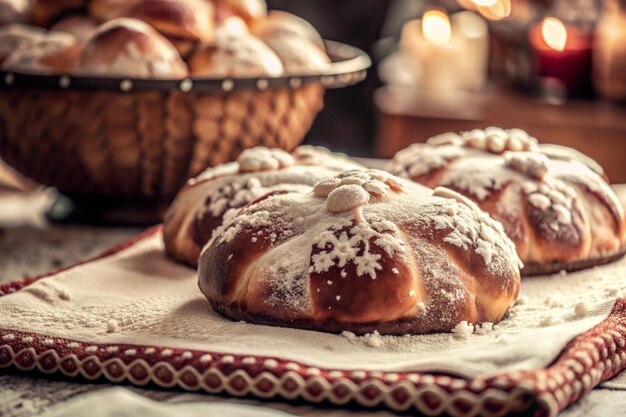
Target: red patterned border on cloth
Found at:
588, 360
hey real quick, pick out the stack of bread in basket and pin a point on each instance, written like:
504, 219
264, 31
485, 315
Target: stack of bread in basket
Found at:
312, 240
165, 39
130, 98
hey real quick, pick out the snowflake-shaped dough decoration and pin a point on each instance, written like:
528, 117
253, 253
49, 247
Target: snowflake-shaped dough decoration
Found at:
355, 245
344, 248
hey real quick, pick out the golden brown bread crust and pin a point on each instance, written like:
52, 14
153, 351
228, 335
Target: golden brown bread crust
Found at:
56, 53
17, 36
299, 55
129, 47
184, 19
554, 205
362, 252
282, 23
249, 10
80, 26
235, 55
201, 205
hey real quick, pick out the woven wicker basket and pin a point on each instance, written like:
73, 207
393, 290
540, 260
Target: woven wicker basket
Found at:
141, 139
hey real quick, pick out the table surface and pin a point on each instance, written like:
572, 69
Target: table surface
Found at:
29, 246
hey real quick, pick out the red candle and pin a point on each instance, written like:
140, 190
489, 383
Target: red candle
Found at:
562, 52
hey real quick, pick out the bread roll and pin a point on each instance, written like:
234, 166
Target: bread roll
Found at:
56, 53
17, 36
233, 25
282, 23
129, 47
363, 251
557, 209
234, 55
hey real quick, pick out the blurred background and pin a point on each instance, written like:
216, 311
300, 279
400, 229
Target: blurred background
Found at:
555, 68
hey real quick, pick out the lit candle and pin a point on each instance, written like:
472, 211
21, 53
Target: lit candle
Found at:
562, 53
447, 53
609, 53
473, 32
438, 52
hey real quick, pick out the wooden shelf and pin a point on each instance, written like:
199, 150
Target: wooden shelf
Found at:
596, 128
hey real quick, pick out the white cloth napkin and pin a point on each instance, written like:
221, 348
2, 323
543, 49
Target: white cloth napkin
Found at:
139, 297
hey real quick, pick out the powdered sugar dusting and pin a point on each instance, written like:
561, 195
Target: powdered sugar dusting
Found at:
463, 330
263, 159
530, 163
469, 227
355, 246
553, 197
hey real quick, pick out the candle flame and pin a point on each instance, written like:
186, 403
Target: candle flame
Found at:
494, 9
554, 33
436, 27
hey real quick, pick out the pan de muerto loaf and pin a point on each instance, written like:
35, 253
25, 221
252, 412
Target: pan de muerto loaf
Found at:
363, 251
219, 192
129, 47
553, 202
